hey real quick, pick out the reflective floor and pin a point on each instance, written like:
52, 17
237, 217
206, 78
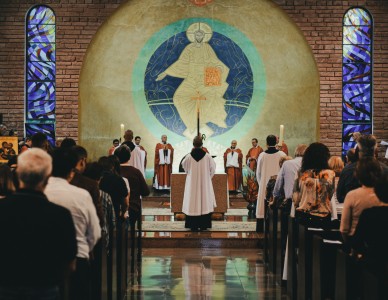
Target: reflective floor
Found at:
181, 273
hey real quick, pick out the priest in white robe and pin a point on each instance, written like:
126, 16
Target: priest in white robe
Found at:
199, 199
267, 166
137, 160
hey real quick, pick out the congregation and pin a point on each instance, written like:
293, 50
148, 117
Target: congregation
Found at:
80, 200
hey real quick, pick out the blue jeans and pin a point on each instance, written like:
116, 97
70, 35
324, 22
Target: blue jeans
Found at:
29, 293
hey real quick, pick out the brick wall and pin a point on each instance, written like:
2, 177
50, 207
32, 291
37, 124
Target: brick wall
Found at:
321, 23
78, 20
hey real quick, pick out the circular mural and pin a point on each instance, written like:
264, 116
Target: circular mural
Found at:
198, 70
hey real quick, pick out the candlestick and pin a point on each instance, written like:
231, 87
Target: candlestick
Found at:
121, 131
281, 135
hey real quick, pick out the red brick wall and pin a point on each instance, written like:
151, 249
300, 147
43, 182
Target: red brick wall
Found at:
321, 23
78, 20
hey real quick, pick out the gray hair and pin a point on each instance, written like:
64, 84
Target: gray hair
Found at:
34, 167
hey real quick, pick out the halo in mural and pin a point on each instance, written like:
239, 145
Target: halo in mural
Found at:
199, 69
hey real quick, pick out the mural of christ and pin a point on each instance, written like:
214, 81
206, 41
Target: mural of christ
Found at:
204, 76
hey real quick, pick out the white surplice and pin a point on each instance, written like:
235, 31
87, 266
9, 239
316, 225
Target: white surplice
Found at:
199, 198
137, 159
267, 166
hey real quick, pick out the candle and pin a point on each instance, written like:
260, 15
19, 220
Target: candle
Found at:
121, 131
281, 135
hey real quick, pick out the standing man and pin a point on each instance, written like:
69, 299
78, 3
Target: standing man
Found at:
233, 166
164, 154
128, 137
199, 199
39, 140
253, 154
143, 151
267, 166
38, 240
86, 183
80, 204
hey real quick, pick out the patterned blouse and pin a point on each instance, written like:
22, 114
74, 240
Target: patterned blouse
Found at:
313, 190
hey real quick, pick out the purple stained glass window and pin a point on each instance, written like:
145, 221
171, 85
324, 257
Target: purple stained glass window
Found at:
356, 72
356, 75
47, 129
40, 71
347, 137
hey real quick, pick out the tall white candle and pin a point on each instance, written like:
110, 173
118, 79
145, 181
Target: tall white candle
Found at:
281, 135
121, 131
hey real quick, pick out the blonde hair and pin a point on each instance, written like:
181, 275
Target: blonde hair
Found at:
283, 159
336, 164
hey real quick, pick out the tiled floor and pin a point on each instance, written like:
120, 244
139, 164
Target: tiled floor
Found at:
180, 273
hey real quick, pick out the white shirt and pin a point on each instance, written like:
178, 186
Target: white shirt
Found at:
232, 159
286, 177
80, 204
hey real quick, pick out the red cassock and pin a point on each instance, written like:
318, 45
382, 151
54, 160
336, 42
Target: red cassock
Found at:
233, 167
254, 152
164, 154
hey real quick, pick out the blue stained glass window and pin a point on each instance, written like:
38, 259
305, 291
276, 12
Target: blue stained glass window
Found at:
347, 137
40, 71
356, 75
47, 129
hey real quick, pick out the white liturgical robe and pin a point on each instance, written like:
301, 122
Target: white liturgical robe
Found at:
137, 159
199, 198
267, 166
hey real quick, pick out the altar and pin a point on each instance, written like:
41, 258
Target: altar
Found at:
220, 186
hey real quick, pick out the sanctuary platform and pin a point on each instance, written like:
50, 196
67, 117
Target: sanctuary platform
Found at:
161, 228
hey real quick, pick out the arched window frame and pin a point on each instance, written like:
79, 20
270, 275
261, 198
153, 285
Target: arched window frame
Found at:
40, 71
357, 77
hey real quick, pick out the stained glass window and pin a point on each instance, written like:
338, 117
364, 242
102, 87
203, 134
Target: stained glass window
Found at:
356, 75
40, 71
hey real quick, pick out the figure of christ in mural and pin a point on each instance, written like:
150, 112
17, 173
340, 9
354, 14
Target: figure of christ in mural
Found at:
204, 83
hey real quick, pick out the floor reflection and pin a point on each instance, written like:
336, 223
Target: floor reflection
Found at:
202, 274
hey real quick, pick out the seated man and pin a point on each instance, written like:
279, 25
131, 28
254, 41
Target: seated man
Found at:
79, 202
38, 237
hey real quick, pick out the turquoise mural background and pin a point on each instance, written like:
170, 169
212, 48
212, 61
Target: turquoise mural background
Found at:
247, 83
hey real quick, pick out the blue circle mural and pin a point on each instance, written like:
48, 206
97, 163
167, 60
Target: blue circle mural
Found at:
198, 69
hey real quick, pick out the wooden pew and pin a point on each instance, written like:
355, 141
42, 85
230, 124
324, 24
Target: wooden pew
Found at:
272, 239
323, 268
355, 280
96, 271
304, 267
266, 235
120, 259
282, 232
291, 259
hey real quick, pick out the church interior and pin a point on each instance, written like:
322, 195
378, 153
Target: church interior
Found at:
254, 79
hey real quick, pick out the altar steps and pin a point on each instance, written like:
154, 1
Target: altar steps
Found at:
163, 229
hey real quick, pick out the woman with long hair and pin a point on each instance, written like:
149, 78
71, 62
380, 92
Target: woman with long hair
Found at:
314, 187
